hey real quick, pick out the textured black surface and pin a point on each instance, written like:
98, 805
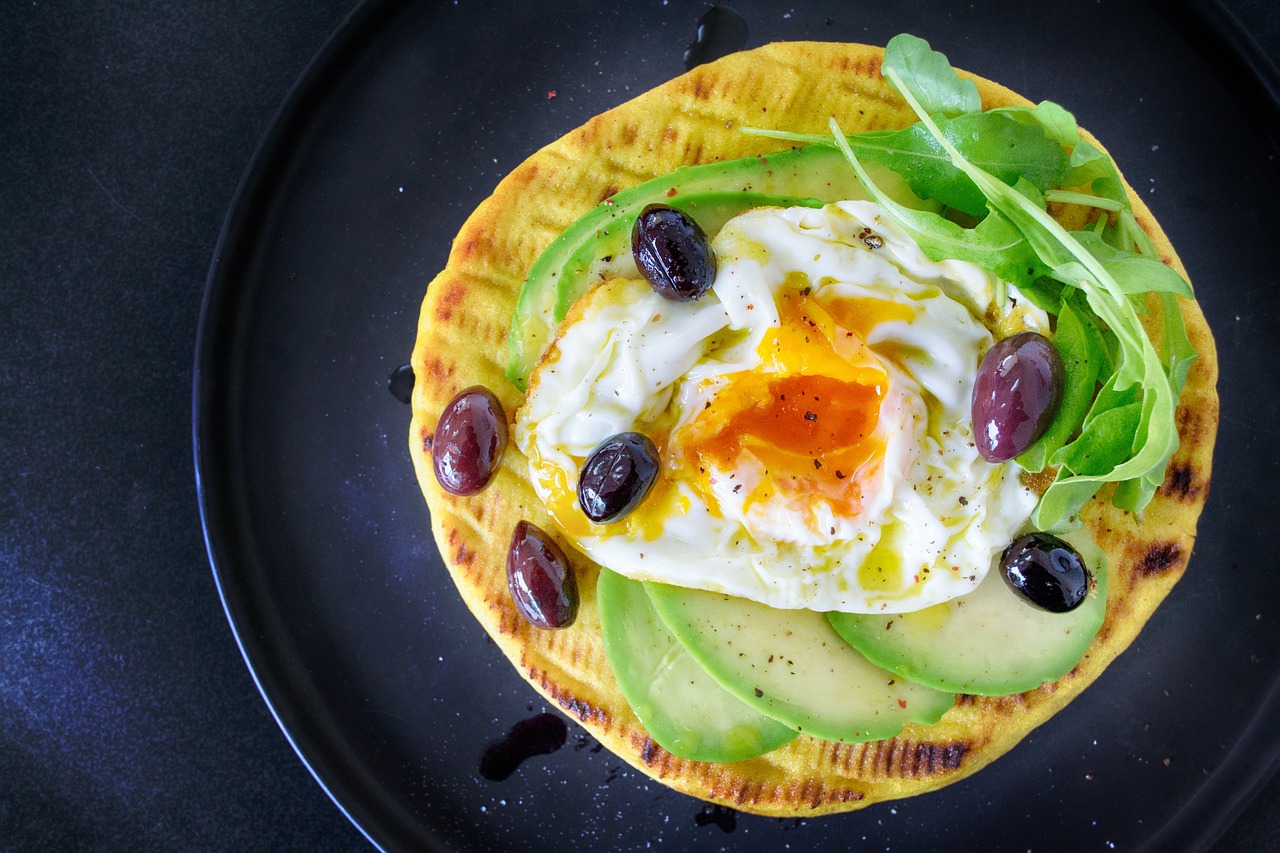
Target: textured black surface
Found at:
127, 717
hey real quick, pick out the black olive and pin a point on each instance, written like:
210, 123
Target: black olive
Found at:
673, 253
1015, 395
1046, 571
616, 476
468, 443
541, 581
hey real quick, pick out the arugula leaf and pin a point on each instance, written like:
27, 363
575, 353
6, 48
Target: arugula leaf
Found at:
1105, 441
1134, 273
1044, 292
1176, 349
1057, 122
999, 144
1062, 501
1134, 235
1100, 245
1087, 164
1154, 433
934, 83
1069, 197
1005, 148
1135, 494
1110, 186
994, 244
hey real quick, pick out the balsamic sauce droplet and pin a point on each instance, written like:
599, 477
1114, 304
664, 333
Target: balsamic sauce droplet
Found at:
722, 816
721, 31
400, 383
541, 734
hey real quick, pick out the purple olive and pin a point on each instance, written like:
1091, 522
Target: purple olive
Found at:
617, 476
468, 442
1046, 571
1015, 395
542, 584
673, 253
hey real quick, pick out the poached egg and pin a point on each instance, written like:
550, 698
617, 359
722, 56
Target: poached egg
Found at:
811, 413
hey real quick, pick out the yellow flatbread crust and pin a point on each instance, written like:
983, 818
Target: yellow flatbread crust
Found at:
696, 118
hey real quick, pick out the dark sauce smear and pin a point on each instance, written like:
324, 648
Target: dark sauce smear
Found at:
722, 816
541, 734
588, 743
400, 383
721, 31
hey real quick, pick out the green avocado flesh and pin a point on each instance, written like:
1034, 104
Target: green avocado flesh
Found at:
794, 667
710, 193
680, 705
990, 642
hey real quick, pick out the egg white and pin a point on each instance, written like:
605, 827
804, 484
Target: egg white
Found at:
931, 513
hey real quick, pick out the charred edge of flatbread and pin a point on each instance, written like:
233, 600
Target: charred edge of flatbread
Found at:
461, 341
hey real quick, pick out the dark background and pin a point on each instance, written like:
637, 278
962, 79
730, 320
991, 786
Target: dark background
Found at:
128, 719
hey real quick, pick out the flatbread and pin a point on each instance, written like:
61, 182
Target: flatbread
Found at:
462, 332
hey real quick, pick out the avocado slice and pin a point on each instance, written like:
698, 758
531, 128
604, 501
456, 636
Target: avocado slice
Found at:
810, 176
681, 707
990, 642
794, 667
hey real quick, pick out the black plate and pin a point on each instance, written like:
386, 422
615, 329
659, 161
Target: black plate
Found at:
320, 541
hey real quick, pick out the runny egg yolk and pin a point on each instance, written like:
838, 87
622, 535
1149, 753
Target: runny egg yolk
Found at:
803, 421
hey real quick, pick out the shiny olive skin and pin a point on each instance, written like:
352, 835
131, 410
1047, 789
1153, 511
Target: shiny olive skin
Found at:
1046, 571
541, 581
1016, 394
617, 476
673, 253
469, 440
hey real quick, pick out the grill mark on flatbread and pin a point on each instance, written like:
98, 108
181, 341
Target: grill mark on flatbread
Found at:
904, 758
508, 622
747, 792
933, 757
861, 67
1189, 422
1180, 483
459, 553
798, 86
581, 710
434, 367
1161, 558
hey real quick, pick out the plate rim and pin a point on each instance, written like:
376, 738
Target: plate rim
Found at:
1205, 817
232, 252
